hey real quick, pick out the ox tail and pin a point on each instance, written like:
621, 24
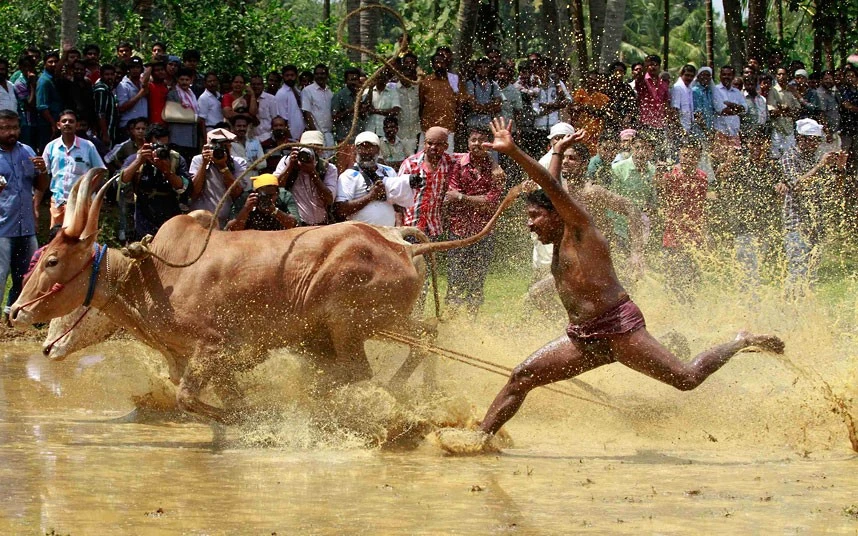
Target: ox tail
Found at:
424, 249
420, 236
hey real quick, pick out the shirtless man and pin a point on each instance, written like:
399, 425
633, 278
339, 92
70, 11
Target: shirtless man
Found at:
596, 200
604, 324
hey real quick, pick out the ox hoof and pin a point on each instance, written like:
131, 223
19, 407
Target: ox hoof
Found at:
459, 442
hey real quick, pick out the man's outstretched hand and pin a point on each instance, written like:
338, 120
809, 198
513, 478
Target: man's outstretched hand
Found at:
502, 136
569, 140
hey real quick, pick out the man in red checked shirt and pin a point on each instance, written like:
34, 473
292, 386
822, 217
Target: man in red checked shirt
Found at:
436, 169
472, 197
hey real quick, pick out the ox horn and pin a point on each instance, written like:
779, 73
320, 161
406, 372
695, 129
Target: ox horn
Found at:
68, 219
84, 188
95, 209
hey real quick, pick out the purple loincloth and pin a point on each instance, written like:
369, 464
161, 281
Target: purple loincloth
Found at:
625, 317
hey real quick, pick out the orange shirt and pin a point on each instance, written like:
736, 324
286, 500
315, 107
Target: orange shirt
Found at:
438, 103
586, 121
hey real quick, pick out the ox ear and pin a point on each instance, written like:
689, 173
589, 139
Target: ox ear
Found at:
91, 228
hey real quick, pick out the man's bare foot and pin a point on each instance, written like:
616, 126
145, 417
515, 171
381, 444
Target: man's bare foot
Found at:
460, 442
768, 343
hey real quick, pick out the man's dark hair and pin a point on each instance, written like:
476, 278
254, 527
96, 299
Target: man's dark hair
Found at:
484, 60
8, 114
51, 54
161, 44
211, 73
391, 120
25, 60
69, 51
729, 68
4, 61
155, 131
654, 58
239, 117
815, 75
635, 64
443, 48
223, 124
67, 112
581, 151
351, 70
616, 65
321, 66
289, 68
435, 56
279, 118
134, 120
89, 47
108, 67
540, 199
124, 45
480, 130
191, 54
34, 49
764, 76
411, 55
184, 71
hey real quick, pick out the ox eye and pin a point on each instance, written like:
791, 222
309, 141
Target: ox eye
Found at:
53, 261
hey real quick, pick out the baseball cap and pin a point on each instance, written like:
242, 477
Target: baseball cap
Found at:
368, 137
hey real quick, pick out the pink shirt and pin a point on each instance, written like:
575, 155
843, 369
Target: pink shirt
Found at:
484, 179
682, 203
653, 97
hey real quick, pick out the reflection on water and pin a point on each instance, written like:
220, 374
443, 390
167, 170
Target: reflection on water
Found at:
755, 446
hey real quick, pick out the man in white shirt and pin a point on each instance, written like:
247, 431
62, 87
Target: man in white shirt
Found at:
8, 101
409, 101
209, 104
267, 108
288, 100
316, 104
729, 104
369, 191
681, 98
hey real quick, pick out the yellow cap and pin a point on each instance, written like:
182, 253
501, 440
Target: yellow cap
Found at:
266, 179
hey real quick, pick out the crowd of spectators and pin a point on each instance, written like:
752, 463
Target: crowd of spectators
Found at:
765, 152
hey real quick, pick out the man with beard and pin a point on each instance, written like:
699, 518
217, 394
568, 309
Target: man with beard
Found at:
439, 102
105, 105
22, 172
266, 111
48, 101
342, 112
371, 192
289, 102
279, 136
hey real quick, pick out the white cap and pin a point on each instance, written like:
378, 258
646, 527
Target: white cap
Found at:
800, 72
368, 137
808, 127
220, 134
561, 129
313, 137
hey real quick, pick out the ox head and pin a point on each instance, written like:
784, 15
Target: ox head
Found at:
75, 331
58, 283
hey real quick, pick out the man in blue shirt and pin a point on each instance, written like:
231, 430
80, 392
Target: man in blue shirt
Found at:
49, 104
68, 158
21, 171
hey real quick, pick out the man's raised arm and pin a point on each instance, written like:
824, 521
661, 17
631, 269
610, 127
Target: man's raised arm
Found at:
571, 212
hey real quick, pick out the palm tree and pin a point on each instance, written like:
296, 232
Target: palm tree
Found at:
612, 36
466, 22
70, 17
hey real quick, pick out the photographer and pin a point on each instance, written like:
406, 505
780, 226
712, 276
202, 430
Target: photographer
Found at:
312, 181
159, 178
371, 192
213, 172
267, 208
279, 136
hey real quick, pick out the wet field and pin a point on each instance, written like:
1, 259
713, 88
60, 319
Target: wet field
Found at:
761, 447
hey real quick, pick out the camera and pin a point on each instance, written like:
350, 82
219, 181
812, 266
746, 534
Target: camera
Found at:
218, 149
305, 155
264, 202
416, 181
161, 151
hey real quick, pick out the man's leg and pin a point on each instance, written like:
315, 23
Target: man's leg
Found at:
640, 351
23, 248
558, 360
5, 267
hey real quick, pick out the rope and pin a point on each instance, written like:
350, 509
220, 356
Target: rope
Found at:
481, 364
140, 250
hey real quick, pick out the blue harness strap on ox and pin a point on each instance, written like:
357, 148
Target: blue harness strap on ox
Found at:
100, 250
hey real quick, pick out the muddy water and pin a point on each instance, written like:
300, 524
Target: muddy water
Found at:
756, 449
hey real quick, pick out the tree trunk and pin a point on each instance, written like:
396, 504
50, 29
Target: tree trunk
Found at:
354, 30
552, 32
735, 32
144, 9
326, 10
488, 23
516, 13
369, 26
103, 15
757, 10
612, 36
466, 21
70, 18
665, 28
710, 35
597, 27
779, 21
579, 35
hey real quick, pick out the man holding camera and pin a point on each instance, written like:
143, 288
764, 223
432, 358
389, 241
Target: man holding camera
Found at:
159, 178
267, 208
213, 172
311, 180
435, 168
371, 192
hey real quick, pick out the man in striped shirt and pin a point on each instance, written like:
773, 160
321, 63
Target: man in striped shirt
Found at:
436, 169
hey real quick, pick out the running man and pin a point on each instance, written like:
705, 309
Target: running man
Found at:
605, 326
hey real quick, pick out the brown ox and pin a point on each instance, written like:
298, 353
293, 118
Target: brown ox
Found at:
320, 290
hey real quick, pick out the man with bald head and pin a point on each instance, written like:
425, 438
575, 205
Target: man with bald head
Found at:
435, 168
